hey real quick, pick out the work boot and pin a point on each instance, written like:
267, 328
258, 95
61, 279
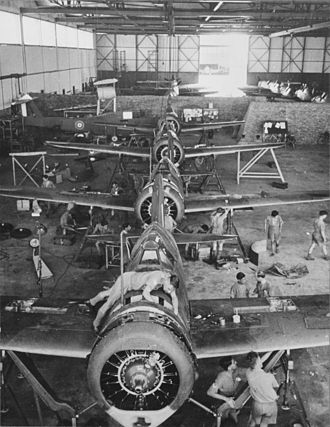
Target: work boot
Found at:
309, 257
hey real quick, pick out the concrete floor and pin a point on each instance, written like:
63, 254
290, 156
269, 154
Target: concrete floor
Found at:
306, 168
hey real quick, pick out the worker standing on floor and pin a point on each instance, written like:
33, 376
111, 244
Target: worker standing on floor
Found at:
262, 389
49, 185
319, 236
67, 222
273, 228
263, 286
217, 218
224, 387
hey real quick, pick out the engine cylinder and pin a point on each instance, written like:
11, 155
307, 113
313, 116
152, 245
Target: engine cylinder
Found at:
141, 366
173, 197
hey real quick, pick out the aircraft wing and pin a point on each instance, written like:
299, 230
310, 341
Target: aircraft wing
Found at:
111, 238
188, 238
133, 129
227, 149
211, 125
297, 322
209, 202
46, 327
102, 200
96, 148
64, 328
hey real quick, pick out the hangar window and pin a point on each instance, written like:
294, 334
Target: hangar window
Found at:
10, 31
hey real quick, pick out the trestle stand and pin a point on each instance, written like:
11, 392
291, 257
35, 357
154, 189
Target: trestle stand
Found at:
288, 386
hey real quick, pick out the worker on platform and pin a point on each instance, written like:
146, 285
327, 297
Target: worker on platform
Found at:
102, 227
147, 281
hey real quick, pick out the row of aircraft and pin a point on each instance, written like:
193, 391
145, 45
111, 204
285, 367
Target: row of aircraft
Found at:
295, 91
143, 363
85, 124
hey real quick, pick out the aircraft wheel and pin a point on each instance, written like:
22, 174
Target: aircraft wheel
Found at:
143, 206
140, 366
161, 150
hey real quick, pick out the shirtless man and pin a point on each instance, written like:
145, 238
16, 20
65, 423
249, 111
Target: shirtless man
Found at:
224, 387
147, 281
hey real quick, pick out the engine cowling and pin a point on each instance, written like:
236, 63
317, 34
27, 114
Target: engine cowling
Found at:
160, 150
172, 120
141, 370
173, 197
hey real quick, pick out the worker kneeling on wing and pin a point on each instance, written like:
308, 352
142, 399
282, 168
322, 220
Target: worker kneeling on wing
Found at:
147, 281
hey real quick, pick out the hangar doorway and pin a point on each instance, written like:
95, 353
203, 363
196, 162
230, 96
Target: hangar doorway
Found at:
223, 63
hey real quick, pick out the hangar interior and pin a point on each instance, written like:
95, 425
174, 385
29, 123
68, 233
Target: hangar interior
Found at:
99, 96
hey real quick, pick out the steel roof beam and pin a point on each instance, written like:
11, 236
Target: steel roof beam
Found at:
177, 13
299, 15
275, 2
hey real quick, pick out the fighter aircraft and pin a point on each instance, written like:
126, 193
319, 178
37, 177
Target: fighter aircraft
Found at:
160, 148
142, 364
179, 204
86, 122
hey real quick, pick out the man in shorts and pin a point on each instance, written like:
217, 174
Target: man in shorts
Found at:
224, 387
318, 236
262, 389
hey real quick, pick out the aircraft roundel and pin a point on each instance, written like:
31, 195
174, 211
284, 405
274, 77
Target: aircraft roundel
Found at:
79, 125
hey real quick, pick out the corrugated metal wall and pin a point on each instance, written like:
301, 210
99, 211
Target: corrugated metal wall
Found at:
147, 57
37, 55
304, 59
